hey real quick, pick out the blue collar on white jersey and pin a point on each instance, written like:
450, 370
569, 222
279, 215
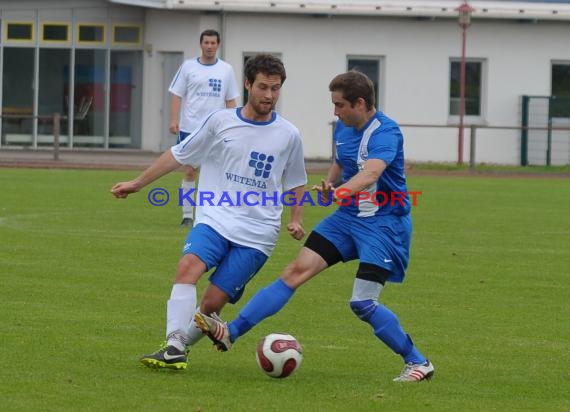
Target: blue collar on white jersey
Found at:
273, 117
203, 64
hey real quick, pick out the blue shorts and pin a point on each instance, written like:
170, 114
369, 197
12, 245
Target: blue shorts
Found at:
380, 240
235, 264
181, 136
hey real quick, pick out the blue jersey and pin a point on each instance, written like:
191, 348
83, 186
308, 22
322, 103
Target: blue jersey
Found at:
380, 138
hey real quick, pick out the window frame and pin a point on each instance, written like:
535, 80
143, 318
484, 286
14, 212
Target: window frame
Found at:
80, 42
469, 118
137, 43
67, 25
29, 23
379, 91
564, 99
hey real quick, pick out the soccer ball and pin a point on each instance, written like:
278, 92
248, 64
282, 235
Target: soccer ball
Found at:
279, 355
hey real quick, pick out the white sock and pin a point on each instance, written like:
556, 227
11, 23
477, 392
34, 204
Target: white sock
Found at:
194, 334
187, 208
180, 313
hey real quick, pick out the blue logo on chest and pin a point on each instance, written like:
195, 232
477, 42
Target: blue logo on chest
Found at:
215, 84
261, 163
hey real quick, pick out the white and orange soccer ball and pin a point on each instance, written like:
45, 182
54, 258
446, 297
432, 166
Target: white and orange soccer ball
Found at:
279, 355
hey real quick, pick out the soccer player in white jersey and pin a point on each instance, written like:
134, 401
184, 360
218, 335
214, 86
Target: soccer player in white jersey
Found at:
369, 166
201, 85
248, 157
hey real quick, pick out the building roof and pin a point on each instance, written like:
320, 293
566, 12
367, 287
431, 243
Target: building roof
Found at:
484, 9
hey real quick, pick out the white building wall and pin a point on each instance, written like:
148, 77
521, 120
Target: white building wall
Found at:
414, 86
165, 31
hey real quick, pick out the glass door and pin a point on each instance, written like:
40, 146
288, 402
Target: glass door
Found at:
18, 96
89, 98
52, 95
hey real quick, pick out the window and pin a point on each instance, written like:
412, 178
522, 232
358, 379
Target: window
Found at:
53, 85
371, 68
91, 33
89, 98
473, 81
245, 94
127, 34
560, 90
125, 114
55, 32
18, 96
57, 60
21, 31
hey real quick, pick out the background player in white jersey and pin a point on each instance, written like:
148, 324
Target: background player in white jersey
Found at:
369, 162
248, 150
201, 85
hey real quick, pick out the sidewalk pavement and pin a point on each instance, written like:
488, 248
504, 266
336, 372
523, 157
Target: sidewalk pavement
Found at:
98, 159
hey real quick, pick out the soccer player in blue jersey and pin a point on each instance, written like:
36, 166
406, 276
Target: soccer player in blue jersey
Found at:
369, 159
251, 150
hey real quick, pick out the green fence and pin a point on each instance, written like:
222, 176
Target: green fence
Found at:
545, 135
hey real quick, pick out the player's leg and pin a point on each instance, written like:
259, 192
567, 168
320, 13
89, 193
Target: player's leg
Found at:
179, 313
383, 251
364, 303
194, 333
385, 323
318, 253
213, 301
188, 185
264, 303
204, 249
228, 282
212, 249
271, 299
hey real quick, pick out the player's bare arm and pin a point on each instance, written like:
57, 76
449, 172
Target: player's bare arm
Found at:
295, 226
369, 174
230, 104
175, 102
163, 165
334, 173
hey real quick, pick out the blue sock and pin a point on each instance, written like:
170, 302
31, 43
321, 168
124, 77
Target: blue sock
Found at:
388, 329
266, 302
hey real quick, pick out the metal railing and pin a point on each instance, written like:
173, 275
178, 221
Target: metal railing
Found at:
56, 119
524, 142
473, 137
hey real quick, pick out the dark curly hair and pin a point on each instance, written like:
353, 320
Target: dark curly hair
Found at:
266, 64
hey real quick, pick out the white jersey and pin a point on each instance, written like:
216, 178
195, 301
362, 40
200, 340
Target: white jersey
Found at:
203, 89
245, 167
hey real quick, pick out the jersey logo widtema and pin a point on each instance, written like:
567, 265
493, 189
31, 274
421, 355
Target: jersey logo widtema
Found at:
261, 163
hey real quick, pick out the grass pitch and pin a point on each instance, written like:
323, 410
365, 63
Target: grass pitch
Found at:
85, 278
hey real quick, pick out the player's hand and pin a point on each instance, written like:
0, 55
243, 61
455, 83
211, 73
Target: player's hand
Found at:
174, 128
326, 191
123, 189
296, 230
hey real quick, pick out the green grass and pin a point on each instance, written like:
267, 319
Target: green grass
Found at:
85, 277
490, 168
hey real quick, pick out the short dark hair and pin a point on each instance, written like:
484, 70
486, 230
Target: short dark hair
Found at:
209, 32
266, 64
353, 85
